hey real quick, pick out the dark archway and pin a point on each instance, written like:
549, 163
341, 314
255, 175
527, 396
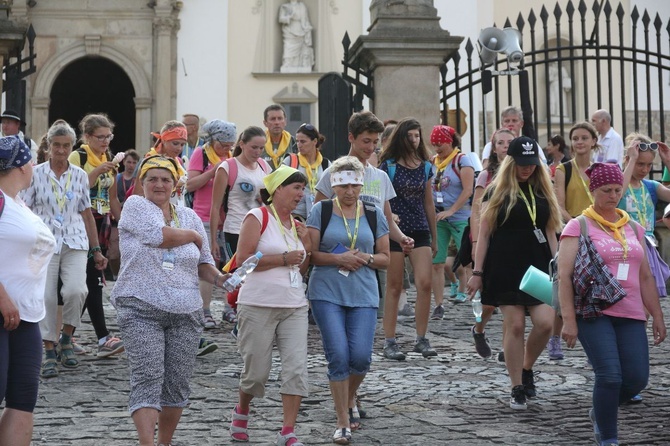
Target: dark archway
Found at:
91, 85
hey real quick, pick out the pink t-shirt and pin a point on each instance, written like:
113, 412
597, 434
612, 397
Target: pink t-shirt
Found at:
202, 202
610, 250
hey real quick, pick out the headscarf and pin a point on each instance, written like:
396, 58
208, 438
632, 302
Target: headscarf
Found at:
344, 177
442, 134
13, 152
601, 174
178, 132
276, 178
159, 162
218, 130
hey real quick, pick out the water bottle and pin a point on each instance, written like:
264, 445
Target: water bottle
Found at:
242, 272
477, 306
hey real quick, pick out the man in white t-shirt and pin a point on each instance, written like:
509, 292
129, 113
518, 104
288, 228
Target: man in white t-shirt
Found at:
510, 118
611, 144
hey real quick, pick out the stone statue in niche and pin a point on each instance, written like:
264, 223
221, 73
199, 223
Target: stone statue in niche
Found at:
559, 92
298, 55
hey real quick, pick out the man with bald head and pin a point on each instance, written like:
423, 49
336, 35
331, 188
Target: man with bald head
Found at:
611, 144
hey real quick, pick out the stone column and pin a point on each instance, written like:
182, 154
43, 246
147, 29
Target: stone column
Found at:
143, 124
40, 115
163, 28
404, 49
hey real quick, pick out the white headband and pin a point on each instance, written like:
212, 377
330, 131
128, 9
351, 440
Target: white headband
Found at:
345, 177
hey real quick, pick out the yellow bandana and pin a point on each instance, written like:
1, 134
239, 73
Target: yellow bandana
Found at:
617, 227
159, 162
211, 154
276, 178
311, 169
441, 165
180, 169
92, 158
281, 149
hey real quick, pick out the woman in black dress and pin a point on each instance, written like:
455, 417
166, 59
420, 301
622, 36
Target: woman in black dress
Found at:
520, 216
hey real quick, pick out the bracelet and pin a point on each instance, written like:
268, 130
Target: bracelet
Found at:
477, 273
284, 257
95, 249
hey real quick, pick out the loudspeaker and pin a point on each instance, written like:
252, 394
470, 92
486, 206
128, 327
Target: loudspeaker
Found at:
492, 42
513, 45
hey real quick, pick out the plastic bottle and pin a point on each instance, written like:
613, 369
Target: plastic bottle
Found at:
477, 306
242, 272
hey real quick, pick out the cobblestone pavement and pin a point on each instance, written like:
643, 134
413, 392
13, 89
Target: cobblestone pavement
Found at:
454, 399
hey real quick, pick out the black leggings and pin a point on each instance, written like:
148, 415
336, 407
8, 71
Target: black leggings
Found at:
20, 359
94, 282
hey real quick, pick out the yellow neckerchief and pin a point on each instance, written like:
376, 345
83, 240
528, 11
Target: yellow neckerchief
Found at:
311, 169
281, 228
93, 159
281, 149
175, 217
352, 238
60, 199
579, 174
441, 165
180, 168
640, 207
532, 209
211, 154
617, 227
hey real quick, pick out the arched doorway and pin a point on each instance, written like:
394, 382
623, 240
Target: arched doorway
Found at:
90, 85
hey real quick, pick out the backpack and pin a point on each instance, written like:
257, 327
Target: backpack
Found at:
456, 167
190, 196
294, 162
553, 263
391, 164
231, 266
370, 215
568, 172
232, 177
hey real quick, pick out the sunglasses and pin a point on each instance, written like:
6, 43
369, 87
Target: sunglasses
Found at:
647, 146
308, 127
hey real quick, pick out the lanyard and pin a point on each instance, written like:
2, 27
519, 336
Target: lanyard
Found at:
623, 243
352, 239
175, 218
281, 228
60, 199
579, 174
641, 208
532, 209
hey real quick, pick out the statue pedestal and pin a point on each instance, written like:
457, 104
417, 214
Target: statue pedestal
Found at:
405, 48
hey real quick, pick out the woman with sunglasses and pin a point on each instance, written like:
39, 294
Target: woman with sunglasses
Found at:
240, 197
310, 162
95, 158
164, 253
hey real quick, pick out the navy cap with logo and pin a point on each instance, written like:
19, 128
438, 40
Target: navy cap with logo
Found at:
525, 151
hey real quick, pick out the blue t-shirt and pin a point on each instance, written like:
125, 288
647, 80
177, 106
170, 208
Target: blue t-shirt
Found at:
450, 188
410, 189
640, 205
359, 289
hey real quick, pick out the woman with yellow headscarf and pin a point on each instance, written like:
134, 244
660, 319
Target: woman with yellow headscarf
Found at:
280, 316
164, 253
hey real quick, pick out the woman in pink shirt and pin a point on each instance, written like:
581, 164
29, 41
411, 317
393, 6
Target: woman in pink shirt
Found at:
613, 335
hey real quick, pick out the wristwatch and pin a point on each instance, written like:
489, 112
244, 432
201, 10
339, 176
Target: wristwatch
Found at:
371, 260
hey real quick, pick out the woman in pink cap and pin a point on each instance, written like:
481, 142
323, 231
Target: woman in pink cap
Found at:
610, 325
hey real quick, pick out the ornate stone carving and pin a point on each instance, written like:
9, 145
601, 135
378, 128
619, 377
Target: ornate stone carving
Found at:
166, 25
298, 56
92, 43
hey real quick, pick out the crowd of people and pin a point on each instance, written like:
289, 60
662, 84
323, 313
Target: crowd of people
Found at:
337, 237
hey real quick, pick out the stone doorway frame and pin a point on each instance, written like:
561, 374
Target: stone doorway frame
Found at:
92, 46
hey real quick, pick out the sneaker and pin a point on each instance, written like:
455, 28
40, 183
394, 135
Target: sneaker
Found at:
206, 347
406, 311
460, 298
453, 289
438, 313
554, 348
112, 346
528, 380
423, 346
392, 351
501, 356
209, 322
637, 399
518, 400
596, 430
481, 344
229, 315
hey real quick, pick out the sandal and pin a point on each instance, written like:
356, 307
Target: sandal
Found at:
354, 418
67, 356
49, 368
362, 412
342, 435
282, 440
239, 432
